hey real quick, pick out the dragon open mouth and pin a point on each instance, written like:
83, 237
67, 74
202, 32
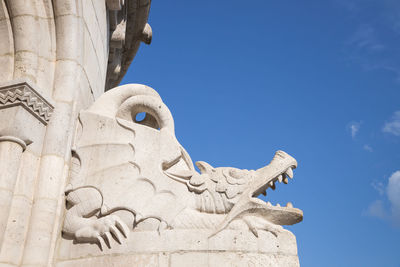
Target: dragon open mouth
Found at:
280, 170
241, 188
282, 177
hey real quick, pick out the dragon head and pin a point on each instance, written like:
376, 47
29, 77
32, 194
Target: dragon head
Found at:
235, 192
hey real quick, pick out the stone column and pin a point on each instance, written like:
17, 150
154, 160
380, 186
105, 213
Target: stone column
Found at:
53, 168
24, 114
11, 149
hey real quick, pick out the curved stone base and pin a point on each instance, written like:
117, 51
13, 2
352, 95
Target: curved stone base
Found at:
185, 248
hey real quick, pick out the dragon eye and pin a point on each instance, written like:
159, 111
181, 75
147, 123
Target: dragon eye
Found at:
140, 116
146, 119
234, 176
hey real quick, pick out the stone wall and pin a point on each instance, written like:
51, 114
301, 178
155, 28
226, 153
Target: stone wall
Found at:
58, 49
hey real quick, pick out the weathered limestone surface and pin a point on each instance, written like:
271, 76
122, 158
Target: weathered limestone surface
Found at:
187, 248
83, 183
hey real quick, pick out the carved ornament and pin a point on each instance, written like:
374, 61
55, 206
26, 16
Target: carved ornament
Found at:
22, 94
131, 174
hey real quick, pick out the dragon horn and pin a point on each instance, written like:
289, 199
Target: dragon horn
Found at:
204, 167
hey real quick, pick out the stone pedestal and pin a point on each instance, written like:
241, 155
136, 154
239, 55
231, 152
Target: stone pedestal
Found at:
182, 248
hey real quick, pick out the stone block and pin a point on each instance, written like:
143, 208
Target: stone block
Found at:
141, 260
15, 234
193, 259
70, 45
101, 16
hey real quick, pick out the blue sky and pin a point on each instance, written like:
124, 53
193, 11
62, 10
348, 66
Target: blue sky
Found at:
317, 79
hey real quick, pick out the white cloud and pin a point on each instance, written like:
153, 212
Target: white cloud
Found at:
350, 5
374, 42
379, 187
354, 128
376, 209
368, 148
393, 192
393, 126
365, 38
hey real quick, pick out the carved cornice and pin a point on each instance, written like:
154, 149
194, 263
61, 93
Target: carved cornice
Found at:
22, 94
128, 28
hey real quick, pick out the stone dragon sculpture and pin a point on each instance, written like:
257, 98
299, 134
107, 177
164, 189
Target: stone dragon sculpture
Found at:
128, 175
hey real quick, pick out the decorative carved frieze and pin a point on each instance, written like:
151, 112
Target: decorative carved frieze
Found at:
22, 94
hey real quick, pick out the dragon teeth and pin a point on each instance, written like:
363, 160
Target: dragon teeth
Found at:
273, 186
289, 205
269, 203
285, 180
264, 193
278, 205
280, 178
289, 172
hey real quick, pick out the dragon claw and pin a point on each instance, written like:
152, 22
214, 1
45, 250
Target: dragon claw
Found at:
104, 228
114, 231
107, 239
122, 226
253, 230
255, 224
98, 239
